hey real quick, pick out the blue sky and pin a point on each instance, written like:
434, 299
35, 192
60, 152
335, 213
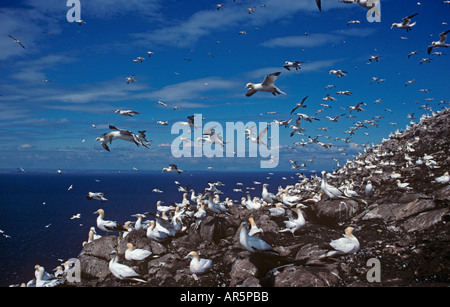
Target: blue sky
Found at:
43, 124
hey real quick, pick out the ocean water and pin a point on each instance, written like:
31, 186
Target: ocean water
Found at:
36, 207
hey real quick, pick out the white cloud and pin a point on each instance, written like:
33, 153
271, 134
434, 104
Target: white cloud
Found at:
316, 39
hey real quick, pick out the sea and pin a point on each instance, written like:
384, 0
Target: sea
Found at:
36, 208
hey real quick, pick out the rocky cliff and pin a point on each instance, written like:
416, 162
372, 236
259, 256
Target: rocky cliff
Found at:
405, 228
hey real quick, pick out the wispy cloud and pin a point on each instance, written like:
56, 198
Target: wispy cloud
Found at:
316, 39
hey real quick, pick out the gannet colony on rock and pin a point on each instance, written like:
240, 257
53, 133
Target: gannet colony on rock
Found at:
295, 231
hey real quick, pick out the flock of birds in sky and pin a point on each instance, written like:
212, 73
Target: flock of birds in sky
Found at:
170, 221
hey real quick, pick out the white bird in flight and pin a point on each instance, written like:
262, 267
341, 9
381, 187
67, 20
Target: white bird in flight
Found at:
406, 24
439, 43
266, 86
17, 41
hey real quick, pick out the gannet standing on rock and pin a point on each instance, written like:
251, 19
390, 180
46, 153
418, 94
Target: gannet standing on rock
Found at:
268, 197
329, 190
136, 253
266, 86
252, 244
107, 226
293, 225
254, 229
369, 189
155, 234
443, 179
346, 245
122, 271
199, 265
44, 279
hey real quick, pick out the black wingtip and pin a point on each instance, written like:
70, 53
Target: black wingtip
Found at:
319, 5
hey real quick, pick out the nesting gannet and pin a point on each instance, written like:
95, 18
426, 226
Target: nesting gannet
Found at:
199, 265
445, 178
200, 215
406, 24
347, 245
267, 196
329, 190
215, 207
253, 228
92, 235
402, 185
292, 225
172, 169
122, 271
17, 41
137, 254
155, 233
295, 64
278, 211
126, 112
106, 225
96, 195
266, 86
44, 279
252, 244
439, 43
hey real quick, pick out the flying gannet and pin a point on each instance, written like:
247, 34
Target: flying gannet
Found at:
266, 86
406, 24
439, 43
97, 196
118, 134
126, 112
17, 41
173, 168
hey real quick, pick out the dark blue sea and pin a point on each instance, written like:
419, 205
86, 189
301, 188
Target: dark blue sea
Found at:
36, 207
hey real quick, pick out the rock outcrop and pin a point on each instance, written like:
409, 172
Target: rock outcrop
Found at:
405, 229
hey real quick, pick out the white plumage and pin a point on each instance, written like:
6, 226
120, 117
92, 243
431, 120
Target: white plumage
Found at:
346, 245
199, 265
252, 244
136, 253
122, 271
